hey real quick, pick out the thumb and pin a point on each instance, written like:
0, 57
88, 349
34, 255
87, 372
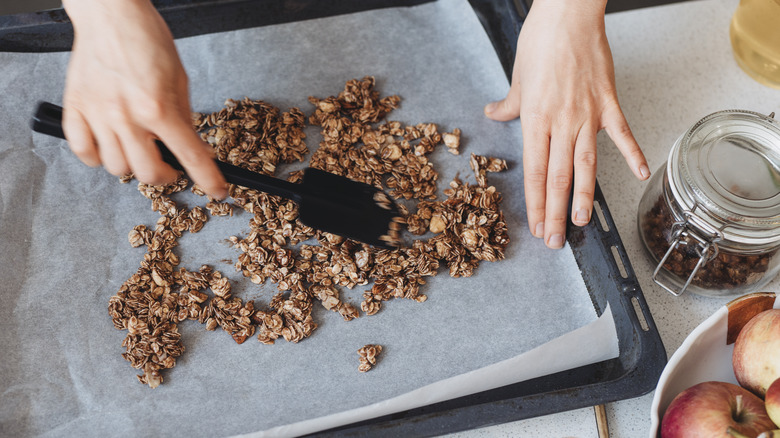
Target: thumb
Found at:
505, 109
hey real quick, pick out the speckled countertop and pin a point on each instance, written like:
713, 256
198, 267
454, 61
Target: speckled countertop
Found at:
673, 66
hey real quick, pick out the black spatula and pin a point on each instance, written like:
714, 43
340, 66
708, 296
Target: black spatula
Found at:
326, 201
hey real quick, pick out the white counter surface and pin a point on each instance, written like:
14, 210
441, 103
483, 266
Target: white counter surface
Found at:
673, 66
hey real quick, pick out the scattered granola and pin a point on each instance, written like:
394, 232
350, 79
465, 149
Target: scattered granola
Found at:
368, 355
307, 266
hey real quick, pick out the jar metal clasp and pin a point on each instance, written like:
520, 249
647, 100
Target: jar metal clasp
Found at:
690, 227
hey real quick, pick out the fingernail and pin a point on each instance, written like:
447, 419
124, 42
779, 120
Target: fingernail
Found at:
539, 232
581, 216
644, 171
489, 108
555, 241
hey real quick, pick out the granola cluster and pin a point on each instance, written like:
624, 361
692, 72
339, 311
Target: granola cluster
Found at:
253, 134
308, 267
368, 356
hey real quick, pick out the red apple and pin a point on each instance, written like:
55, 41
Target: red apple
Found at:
708, 409
756, 356
772, 401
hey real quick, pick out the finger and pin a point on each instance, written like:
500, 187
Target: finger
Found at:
559, 183
79, 136
584, 175
617, 128
505, 109
110, 151
195, 156
143, 157
536, 155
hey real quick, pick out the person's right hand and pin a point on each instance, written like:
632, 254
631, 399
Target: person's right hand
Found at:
126, 87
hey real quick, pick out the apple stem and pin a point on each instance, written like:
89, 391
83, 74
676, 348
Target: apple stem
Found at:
734, 432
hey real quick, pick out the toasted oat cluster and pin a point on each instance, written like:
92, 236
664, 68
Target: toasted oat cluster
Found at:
307, 266
368, 355
254, 134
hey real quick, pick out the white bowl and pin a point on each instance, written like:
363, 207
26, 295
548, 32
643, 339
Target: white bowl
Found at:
706, 353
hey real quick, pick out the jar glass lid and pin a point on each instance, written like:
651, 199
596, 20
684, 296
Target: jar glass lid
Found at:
727, 168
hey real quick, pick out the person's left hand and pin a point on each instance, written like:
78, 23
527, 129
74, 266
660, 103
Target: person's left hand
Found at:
563, 90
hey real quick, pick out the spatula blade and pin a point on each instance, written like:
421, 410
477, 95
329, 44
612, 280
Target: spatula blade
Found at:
352, 209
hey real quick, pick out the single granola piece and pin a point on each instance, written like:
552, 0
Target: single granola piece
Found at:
368, 356
138, 236
452, 141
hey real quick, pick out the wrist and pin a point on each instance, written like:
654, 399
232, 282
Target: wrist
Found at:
587, 7
98, 12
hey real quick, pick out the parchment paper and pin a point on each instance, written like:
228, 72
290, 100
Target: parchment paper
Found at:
65, 253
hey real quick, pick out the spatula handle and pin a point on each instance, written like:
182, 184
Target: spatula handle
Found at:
48, 120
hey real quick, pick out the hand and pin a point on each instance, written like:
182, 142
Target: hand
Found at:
563, 90
125, 87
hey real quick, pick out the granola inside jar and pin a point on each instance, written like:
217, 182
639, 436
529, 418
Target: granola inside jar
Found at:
710, 217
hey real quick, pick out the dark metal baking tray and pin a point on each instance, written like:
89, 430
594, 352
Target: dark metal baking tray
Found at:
597, 247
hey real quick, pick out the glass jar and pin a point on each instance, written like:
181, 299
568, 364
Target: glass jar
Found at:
755, 39
710, 217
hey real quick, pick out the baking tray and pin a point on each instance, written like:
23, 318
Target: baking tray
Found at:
597, 247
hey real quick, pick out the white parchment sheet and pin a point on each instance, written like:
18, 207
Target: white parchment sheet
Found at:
64, 226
